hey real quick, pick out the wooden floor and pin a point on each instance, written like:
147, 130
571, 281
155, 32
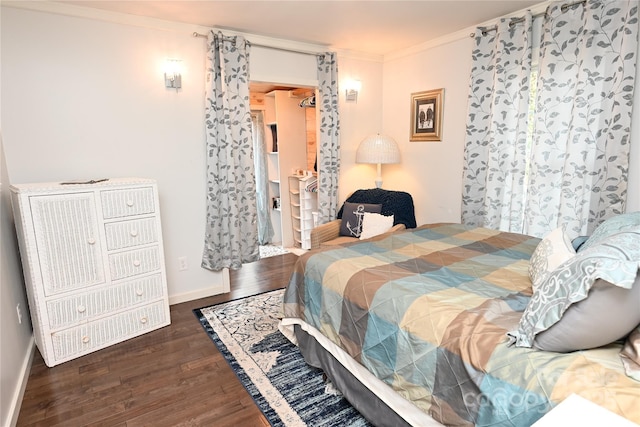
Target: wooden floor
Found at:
174, 376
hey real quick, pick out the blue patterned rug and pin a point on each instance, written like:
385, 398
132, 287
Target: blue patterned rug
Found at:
287, 390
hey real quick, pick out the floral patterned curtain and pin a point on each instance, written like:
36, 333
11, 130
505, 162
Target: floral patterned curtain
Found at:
329, 144
231, 237
579, 168
265, 227
574, 170
495, 153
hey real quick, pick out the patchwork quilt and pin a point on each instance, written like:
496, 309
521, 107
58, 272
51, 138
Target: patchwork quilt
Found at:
427, 312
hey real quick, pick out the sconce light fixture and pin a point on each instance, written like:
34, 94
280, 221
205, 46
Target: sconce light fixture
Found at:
352, 87
172, 77
378, 149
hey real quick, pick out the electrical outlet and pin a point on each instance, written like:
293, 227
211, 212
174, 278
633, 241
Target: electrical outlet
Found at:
19, 311
182, 263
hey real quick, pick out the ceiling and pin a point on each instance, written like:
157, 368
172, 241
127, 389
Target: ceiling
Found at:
375, 27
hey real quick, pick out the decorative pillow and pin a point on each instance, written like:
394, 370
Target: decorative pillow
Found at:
630, 354
374, 224
552, 251
623, 222
607, 314
616, 259
352, 216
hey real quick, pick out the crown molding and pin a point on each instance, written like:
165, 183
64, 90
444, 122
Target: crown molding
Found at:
462, 34
178, 27
101, 15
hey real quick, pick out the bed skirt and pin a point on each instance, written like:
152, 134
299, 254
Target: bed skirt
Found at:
351, 381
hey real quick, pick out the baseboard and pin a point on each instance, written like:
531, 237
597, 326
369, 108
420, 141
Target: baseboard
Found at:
190, 296
18, 394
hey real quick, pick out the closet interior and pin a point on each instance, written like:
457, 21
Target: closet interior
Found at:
290, 135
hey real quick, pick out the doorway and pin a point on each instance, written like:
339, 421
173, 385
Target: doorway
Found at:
289, 150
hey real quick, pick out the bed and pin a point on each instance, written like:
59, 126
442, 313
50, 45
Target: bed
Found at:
413, 328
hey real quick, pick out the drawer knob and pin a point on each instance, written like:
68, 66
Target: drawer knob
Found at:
144, 320
133, 233
129, 202
85, 339
82, 309
139, 292
136, 262
91, 241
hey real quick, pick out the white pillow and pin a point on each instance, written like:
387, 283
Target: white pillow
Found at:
551, 252
374, 224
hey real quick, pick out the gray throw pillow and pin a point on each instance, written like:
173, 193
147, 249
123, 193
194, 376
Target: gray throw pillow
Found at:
616, 259
353, 215
607, 314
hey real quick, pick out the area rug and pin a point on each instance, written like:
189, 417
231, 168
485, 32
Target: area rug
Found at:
287, 390
267, 251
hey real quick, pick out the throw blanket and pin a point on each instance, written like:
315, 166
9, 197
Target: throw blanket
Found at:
396, 203
427, 312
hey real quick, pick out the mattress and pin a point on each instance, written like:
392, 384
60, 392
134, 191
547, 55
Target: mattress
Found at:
426, 312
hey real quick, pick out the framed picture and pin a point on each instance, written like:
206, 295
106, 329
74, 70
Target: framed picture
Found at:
426, 115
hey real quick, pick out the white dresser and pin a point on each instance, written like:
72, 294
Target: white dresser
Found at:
93, 262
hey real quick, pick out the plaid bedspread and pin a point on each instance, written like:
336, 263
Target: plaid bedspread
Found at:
427, 312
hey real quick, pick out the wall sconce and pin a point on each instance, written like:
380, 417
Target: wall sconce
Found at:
352, 87
172, 77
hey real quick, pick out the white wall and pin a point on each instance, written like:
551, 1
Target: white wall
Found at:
15, 337
357, 120
277, 66
430, 171
86, 99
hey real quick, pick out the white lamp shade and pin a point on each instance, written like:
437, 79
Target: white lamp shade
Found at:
378, 149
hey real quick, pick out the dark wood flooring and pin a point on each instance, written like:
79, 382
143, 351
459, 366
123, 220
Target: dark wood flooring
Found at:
174, 376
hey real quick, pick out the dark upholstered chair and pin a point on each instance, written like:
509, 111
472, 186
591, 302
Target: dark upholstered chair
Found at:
396, 203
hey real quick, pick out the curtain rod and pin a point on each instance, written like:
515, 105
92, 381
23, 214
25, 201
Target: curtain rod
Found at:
514, 20
304, 52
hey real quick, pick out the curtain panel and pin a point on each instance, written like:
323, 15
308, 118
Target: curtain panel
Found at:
265, 227
496, 148
580, 158
329, 143
231, 235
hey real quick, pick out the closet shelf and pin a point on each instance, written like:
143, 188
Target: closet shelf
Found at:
303, 206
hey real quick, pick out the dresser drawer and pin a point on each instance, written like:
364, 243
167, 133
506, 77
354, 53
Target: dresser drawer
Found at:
87, 306
133, 201
101, 333
124, 234
132, 263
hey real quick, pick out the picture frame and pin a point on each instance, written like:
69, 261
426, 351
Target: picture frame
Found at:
426, 115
